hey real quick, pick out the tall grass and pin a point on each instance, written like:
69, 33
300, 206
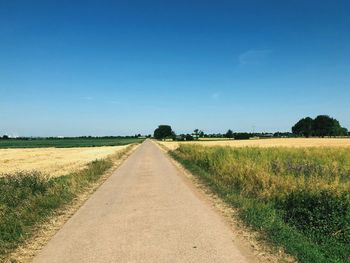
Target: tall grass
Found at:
299, 198
28, 198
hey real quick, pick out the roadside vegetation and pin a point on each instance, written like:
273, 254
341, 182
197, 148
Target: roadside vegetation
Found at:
29, 198
298, 198
67, 142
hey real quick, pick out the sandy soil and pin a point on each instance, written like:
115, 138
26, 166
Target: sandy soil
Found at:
51, 161
280, 142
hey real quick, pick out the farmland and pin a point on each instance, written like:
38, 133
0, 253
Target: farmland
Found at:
52, 161
67, 142
279, 142
297, 197
35, 183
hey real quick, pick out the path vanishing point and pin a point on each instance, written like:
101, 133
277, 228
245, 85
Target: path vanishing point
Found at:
145, 212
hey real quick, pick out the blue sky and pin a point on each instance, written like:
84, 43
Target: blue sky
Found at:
123, 67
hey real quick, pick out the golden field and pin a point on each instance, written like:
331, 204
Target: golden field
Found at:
52, 161
278, 142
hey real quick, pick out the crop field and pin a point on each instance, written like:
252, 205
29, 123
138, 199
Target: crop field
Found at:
279, 142
52, 161
297, 197
67, 142
36, 182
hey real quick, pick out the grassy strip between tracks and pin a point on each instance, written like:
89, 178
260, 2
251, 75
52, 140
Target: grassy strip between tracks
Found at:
296, 198
29, 198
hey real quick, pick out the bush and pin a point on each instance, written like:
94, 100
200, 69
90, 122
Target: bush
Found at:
242, 136
321, 214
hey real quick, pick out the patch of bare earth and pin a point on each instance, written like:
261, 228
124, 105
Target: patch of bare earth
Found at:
44, 232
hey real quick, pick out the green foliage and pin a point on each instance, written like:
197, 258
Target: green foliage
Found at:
298, 197
322, 125
229, 134
304, 127
242, 136
29, 198
67, 142
163, 132
323, 214
189, 137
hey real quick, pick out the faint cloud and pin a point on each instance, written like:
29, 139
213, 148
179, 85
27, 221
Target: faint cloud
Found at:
254, 56
215, 96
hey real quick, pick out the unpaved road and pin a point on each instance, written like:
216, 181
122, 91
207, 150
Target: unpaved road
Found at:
145, 212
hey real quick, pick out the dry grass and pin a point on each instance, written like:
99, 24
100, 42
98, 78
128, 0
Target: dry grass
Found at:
44, 231
280, 142
52, 161
297, 196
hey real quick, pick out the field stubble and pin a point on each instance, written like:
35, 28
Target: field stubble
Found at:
278, 142
30, 198
52, 161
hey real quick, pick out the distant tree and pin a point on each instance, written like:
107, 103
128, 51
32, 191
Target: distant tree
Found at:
189, 137
242, 136
229, 134
196, 133
163, 131
201, 134
322, 125
327, 126
283, 134
5, 137
304, 127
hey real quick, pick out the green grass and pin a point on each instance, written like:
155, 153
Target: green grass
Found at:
297, 198
28, 199
67, 142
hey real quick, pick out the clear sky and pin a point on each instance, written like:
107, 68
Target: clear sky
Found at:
123, 67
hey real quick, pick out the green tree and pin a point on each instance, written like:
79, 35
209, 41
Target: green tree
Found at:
196, 133
322, 125
163, 131
189, 137
304, 127
229, 134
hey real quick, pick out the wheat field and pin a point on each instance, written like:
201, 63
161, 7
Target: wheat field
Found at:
52, 161
275, 142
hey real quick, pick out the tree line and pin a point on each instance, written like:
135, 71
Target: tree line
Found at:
166, 132
321, 126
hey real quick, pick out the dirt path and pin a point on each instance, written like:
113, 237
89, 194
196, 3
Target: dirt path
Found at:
144, 212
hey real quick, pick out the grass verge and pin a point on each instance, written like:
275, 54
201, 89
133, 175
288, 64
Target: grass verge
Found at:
291, 196
29, 199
